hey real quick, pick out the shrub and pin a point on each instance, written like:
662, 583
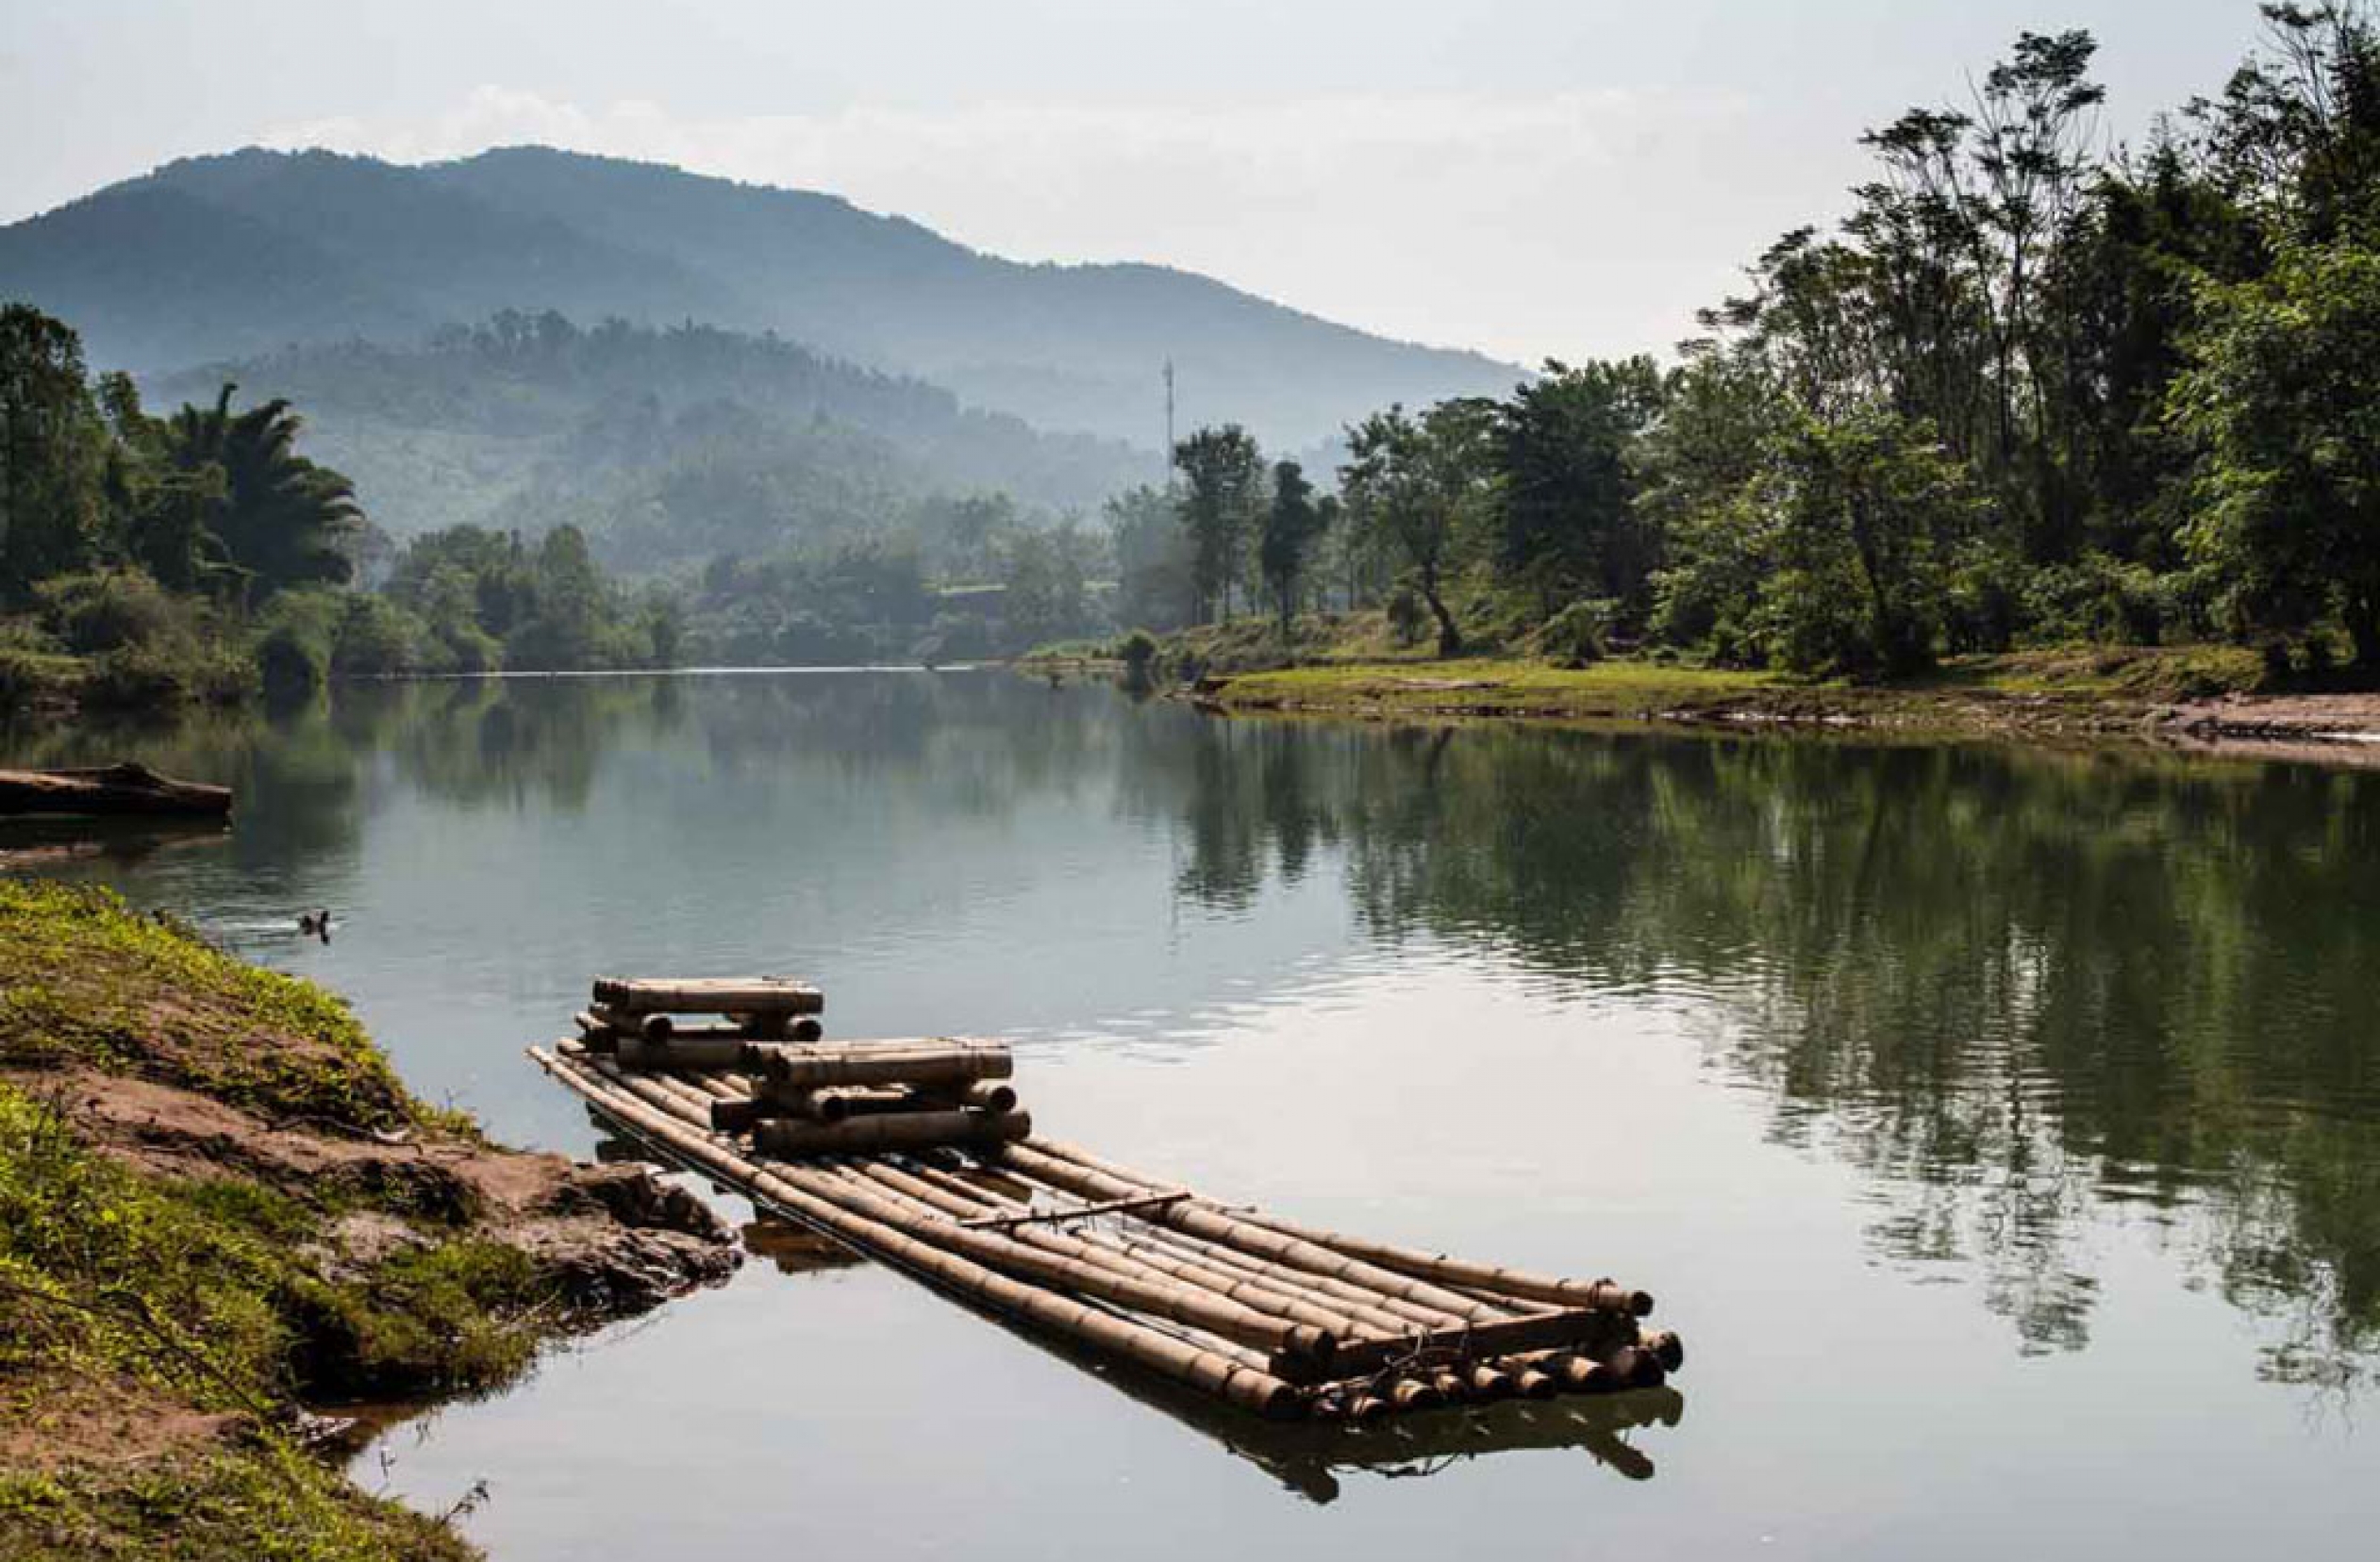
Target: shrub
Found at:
376, 638
109, 609
1580, 633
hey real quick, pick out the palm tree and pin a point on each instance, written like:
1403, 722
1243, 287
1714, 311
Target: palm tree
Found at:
284, 519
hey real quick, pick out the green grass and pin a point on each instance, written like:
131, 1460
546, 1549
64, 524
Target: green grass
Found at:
234, 1505
89, 979
221, 1294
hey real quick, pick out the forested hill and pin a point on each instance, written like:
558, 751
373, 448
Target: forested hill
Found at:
246, 253
663, 445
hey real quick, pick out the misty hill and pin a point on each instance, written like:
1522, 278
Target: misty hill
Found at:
232, 256
666, 445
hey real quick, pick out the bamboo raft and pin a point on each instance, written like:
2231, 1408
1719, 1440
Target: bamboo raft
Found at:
915, 1154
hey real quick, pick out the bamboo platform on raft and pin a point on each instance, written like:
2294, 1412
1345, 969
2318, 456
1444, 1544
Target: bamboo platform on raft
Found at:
916, 1154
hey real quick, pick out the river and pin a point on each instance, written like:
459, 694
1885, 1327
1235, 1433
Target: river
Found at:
2001, 1128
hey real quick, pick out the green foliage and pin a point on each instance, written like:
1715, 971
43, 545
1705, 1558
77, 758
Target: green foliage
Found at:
82, 969
2284, 402
1222, 478
1580, 633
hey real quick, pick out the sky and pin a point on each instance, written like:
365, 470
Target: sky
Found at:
1533, 178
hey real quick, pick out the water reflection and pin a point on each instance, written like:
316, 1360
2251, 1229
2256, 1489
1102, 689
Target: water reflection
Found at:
2023, 993
2015, 989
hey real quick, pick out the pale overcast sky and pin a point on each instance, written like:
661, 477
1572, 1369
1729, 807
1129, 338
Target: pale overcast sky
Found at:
1530, 177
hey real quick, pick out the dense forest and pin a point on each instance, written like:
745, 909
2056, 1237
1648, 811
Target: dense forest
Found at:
2029, 390
198, 555
665, 445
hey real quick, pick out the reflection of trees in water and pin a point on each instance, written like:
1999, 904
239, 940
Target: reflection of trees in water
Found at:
2014, 987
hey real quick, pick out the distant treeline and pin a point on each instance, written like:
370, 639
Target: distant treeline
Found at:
2030, 391
665, 446
145, 558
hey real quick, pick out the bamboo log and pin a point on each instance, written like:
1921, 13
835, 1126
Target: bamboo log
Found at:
1408, 1317
652, 1027
708, 995
109, 791
1600, 1295
1297, 1347
1113, 1255
1377, 1322
791, 1139
985, 1095
1233, 1380
955, 1063
1204, 1219
1437, 1268
678, 1052
1490, 1383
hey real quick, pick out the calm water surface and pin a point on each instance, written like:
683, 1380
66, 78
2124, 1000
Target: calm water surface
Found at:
2001, 1129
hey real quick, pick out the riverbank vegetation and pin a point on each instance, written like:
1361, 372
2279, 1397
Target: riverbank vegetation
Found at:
2031, 392
198, 555
218, 1209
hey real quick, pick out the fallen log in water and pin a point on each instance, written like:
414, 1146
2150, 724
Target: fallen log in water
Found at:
111, 792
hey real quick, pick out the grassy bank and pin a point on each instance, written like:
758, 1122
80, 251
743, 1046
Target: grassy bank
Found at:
220, 1214
2095, 689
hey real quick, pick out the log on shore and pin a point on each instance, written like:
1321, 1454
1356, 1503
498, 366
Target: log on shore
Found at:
749, 995
109, 791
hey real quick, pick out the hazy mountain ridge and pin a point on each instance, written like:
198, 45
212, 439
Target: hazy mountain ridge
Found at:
245, 253
666, 444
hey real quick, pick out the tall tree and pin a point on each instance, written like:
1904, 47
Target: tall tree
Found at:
53, 450
1222, 474
1566, 452
1424, 483
1291, 524
284, 519
2284, 402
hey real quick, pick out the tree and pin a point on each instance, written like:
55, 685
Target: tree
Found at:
1424, 483
2283, 402
1046, 598
52, 453
1864, 515
1153, 563
1566, 457
1223, 471
282, 517
1291, 524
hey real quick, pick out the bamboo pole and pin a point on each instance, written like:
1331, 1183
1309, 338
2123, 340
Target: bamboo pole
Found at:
1232, 1379
1204, 1219
1104, 1255
708, 995
956, 1064
681, 1051
1297, 1347
1410, 1316
1437, 1267
786, 1139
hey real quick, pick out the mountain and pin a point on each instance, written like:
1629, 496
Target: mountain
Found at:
665, 445
247, 252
